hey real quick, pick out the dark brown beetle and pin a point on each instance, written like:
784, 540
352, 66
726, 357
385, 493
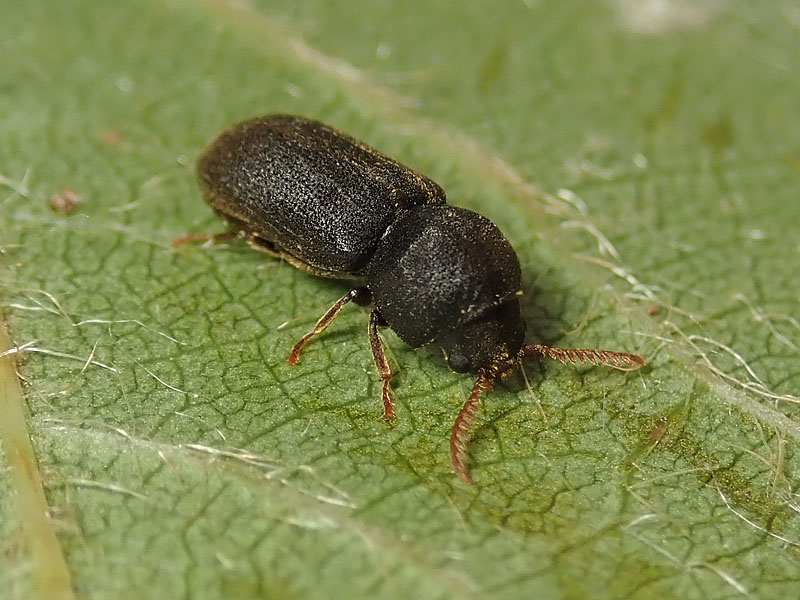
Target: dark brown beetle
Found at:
333, 206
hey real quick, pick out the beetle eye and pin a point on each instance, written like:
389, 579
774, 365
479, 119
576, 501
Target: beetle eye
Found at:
458, 362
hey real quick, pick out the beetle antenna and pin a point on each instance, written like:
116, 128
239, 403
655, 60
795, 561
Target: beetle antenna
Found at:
463, 425
617, 360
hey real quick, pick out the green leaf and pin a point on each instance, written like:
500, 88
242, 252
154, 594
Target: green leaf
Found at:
643, 158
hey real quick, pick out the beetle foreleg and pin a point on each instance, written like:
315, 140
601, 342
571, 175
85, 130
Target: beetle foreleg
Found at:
381, 363
325, 320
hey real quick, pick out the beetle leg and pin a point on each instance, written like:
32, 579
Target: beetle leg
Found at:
325, 320
381, 363
204, 237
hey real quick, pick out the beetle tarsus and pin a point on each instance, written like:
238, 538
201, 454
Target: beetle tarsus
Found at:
388, 407
381, 362
294, 356
323, 323
204, 237
463, 425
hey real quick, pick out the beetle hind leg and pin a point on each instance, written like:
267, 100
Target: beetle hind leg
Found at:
213, 238
357, 294
381, 363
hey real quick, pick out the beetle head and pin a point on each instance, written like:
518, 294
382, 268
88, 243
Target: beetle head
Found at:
486, 343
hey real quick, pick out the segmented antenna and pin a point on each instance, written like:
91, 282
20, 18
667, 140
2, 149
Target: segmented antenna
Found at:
463, 425
617, 360
485, 381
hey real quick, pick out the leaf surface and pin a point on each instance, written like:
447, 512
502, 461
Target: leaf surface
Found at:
644, 163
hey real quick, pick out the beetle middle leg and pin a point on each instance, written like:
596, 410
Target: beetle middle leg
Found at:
381, 363
359, 294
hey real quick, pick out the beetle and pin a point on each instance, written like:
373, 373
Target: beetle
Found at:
335, 207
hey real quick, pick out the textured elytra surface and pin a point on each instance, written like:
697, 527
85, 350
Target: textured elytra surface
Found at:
309, 190
677, 142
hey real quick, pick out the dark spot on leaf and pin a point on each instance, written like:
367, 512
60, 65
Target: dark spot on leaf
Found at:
65, 201
664, 110
493, 67
719, 135
111, 137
